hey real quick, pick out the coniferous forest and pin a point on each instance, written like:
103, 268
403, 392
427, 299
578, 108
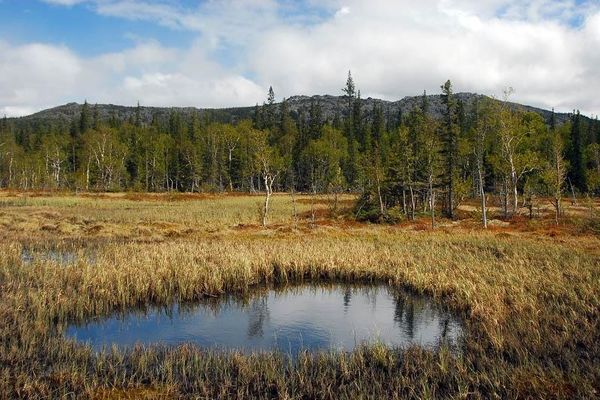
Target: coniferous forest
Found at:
399, 163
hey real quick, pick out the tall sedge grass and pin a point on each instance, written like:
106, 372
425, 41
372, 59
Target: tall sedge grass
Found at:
531, 306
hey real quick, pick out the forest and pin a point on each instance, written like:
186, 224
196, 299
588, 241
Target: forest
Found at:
399, 164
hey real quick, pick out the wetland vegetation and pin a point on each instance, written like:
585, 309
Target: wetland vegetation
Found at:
527, 290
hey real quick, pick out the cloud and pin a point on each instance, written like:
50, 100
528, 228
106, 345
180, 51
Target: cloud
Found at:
38, 76
395, 50
543, 48
34, 75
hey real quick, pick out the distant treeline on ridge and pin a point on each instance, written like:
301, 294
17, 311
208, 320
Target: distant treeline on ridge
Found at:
399, 160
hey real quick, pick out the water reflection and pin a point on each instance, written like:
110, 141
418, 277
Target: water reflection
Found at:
312, 317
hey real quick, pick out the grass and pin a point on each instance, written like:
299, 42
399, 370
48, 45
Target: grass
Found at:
530, 296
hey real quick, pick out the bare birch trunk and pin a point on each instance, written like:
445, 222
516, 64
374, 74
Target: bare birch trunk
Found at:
412, 203
432, 202
268, 180
381, 206
482, 194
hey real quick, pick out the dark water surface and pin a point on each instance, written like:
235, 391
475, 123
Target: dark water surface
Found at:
312, 317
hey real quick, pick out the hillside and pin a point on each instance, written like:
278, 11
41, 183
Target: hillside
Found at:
330, 105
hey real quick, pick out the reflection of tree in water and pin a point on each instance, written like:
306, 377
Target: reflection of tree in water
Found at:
410, 319
398, 308
371, 296
258, 314
407, 309
347, 298
444, 327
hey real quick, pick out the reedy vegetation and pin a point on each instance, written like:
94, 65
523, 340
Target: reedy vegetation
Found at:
531, 304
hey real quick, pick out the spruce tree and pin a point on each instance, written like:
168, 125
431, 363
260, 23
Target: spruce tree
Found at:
257, 118
424, 102
96, 118
350, 91
377, 126
577, 157
357, 125
352, 115
270, 109
271, 96
597, 124
450, 143
315, 119
138, 115
84, 118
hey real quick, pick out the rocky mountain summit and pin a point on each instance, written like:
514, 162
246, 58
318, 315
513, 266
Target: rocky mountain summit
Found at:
330, 107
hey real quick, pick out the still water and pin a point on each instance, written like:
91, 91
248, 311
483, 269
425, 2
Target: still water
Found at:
311, 317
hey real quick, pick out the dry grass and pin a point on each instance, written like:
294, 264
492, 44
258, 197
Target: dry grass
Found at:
531, 301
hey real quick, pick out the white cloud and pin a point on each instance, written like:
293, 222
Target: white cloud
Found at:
35, 75
38, 76
394, 48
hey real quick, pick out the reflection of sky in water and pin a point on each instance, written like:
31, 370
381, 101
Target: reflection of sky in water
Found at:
310, 317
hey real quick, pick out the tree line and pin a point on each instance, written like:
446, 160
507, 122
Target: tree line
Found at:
400, 165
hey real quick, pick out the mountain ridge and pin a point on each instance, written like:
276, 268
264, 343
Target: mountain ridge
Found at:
330, 106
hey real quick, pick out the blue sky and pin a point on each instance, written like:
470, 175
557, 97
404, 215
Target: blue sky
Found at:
214, 53
89, 33
79, 28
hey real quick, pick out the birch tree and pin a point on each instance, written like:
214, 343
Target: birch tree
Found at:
484, 127
56, 154
270, 165
432, 160
517, 156
231, 141
555, 171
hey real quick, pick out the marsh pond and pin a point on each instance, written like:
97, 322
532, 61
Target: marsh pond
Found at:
311, 317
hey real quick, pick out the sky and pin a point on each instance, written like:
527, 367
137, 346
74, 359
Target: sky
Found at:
223, 53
